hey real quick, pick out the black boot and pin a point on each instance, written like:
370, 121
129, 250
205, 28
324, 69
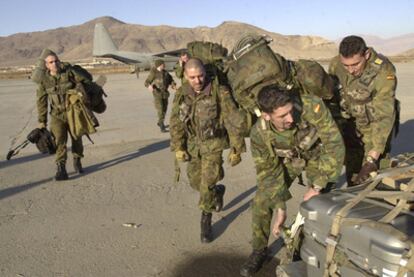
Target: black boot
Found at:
254, 263
61, 173
77, 165
163, 129
206, 233
220, 190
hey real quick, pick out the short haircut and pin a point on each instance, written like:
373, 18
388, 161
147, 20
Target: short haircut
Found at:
271, 97
194, 63
352, 45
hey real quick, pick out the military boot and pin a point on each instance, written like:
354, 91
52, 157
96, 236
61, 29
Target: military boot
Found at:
61, 173
254, 263
77, 165
163, 129
206, 232
218, 197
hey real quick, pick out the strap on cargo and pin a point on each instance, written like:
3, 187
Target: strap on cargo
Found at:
402, 203
406, 265
332, 239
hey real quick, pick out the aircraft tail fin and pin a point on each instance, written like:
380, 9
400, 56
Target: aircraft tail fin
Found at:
102, 41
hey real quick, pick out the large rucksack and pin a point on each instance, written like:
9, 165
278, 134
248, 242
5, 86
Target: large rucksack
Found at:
212, 55
253, 65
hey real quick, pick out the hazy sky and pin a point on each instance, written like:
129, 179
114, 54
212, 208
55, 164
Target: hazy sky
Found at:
330, 19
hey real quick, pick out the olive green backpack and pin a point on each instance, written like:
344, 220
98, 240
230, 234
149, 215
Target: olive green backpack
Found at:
253, 65
212, 55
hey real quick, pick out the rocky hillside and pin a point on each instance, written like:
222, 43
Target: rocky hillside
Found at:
75, 42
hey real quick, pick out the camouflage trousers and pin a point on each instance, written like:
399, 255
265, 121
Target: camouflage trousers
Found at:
263, 207
203, 173
161, 104
60, 131
269, 199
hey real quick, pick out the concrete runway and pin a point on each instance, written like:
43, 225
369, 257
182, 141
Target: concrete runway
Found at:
75, 227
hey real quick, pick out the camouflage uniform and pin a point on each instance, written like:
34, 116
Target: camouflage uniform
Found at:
53, 90
314, 144
160, 80
367, 108
204, 125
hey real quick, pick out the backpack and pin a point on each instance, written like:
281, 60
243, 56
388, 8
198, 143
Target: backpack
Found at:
92, 91
313, 79
253, 65
212, 55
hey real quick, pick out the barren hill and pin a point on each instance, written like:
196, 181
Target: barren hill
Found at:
75, 42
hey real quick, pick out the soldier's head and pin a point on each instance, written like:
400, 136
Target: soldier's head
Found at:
52, 63
277, 107
354, 54
184, 56
159, 64
195, 74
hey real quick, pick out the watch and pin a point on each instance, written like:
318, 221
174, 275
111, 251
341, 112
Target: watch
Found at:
370, 159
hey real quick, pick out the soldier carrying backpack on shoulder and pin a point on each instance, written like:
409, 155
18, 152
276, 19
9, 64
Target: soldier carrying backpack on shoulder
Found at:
63, 86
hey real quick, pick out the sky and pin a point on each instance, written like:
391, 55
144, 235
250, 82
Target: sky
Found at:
329, 19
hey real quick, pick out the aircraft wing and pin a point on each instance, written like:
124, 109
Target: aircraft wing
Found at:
176, 53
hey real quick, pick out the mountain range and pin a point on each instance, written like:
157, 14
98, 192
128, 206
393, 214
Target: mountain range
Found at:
74, 43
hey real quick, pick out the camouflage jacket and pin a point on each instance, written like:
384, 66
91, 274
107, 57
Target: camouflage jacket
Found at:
53, 89
161, 80
207, 121
313, 144
369, 99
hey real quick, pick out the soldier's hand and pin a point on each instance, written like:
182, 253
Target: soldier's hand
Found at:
367, 169
182, 156
42, 125
310, 193
280, 220
151, 88
233, 158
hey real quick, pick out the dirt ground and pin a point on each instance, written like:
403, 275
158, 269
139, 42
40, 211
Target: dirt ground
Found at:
75, 227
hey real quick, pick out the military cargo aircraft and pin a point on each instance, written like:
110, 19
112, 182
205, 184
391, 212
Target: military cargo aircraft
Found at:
104, 46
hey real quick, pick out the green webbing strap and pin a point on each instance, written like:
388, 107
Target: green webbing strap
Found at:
332, 239
402, 203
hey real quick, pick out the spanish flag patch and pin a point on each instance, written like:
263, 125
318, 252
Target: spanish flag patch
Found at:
378, 61
317, 108
390, 77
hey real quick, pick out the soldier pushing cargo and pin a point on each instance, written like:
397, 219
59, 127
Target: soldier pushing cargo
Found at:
295, 134
367, 104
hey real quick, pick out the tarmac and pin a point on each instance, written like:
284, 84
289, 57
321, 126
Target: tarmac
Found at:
125, 216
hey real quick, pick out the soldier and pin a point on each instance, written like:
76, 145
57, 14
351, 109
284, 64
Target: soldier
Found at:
53, 89
367, 106
293, 134
204, 121
158, 82
179, 68
135, 69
